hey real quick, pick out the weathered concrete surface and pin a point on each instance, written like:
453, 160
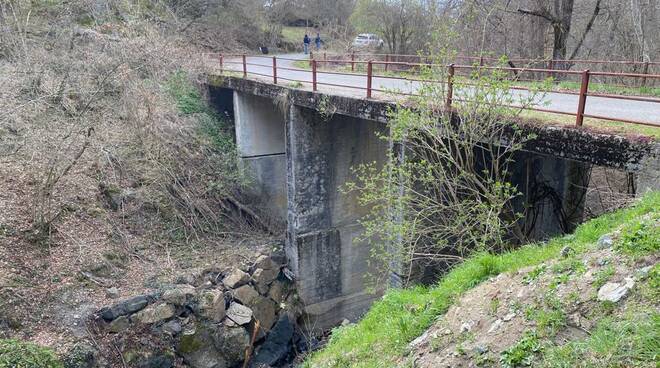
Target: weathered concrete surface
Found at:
609, 150
261, 145
322, 222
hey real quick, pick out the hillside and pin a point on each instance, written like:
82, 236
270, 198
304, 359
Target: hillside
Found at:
589, 299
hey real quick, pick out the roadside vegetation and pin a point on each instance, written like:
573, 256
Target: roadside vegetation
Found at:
381, 338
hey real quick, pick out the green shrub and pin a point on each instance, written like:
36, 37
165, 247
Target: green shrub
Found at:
21, 354
522, 353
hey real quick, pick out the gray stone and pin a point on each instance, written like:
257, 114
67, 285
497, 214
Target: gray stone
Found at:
605, 241
186, 279
495, 326
613, 292
172, 327
124, 308
278, 291
112, 293
119, 324
80, 356
245, 294
156, 313
232, 343
266, 263
236, 278
198, 350
263, 278
566, 251
136, 304
239, 313
157, 361
509, 316
263, 310
178, 295
211, 305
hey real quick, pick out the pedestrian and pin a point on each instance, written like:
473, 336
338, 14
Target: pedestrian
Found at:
318, 41
306, 42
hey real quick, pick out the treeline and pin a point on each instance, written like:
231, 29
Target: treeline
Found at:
562, 29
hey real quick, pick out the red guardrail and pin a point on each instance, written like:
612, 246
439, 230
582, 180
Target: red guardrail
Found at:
453, 71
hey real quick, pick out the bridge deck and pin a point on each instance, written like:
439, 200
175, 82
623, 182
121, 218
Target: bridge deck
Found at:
355, 85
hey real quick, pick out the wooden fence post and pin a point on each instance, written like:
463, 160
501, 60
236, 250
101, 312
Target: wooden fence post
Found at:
369, 77
450, 86
274, 70
584, 88
244, 66
314, 86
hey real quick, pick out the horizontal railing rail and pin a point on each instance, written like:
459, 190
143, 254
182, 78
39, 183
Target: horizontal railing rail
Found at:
457, 75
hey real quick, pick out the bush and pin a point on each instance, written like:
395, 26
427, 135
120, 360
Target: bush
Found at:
21, 354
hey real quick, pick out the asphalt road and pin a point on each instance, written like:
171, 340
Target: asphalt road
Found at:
648, 112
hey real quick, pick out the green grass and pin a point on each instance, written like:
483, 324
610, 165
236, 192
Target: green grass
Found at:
630, 341
21, 354
381, 337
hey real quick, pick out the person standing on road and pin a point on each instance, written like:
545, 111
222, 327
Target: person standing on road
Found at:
318, 41
306, 42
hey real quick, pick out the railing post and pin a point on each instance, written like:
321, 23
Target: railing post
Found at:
311, 57
353, 62
369, 77
325, 56
450, 86
584, 88
221, 63
645, 71
387, 61
274, 70
314, 86
244, 66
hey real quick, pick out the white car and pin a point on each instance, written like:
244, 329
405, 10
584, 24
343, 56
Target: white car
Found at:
367, 40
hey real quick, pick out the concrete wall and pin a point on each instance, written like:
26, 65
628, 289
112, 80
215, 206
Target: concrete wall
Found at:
261, 146
330, 265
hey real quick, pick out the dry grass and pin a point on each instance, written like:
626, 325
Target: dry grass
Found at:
104, 179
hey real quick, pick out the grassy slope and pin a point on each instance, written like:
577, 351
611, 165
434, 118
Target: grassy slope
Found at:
381, 337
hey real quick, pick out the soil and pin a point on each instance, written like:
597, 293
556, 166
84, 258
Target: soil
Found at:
47, 290
495, 315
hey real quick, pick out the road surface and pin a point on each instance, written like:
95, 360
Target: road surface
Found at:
647, 112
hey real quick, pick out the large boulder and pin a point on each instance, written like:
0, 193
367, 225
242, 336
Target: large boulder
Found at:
124, 308
156, 313
264, 310
245, 294
266, 263
262, 278
211, 305
178, 295
232, 342
198, 350
236, 278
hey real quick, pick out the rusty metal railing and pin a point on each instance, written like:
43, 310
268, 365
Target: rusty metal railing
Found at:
241, 63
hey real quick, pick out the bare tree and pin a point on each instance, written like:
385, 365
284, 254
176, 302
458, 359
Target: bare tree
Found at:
560, 16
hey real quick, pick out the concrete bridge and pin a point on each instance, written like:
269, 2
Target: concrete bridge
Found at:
300, 155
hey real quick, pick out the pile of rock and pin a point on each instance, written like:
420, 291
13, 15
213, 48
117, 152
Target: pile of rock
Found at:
213, 318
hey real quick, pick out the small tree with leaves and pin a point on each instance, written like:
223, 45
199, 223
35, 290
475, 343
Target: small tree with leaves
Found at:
444, 190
